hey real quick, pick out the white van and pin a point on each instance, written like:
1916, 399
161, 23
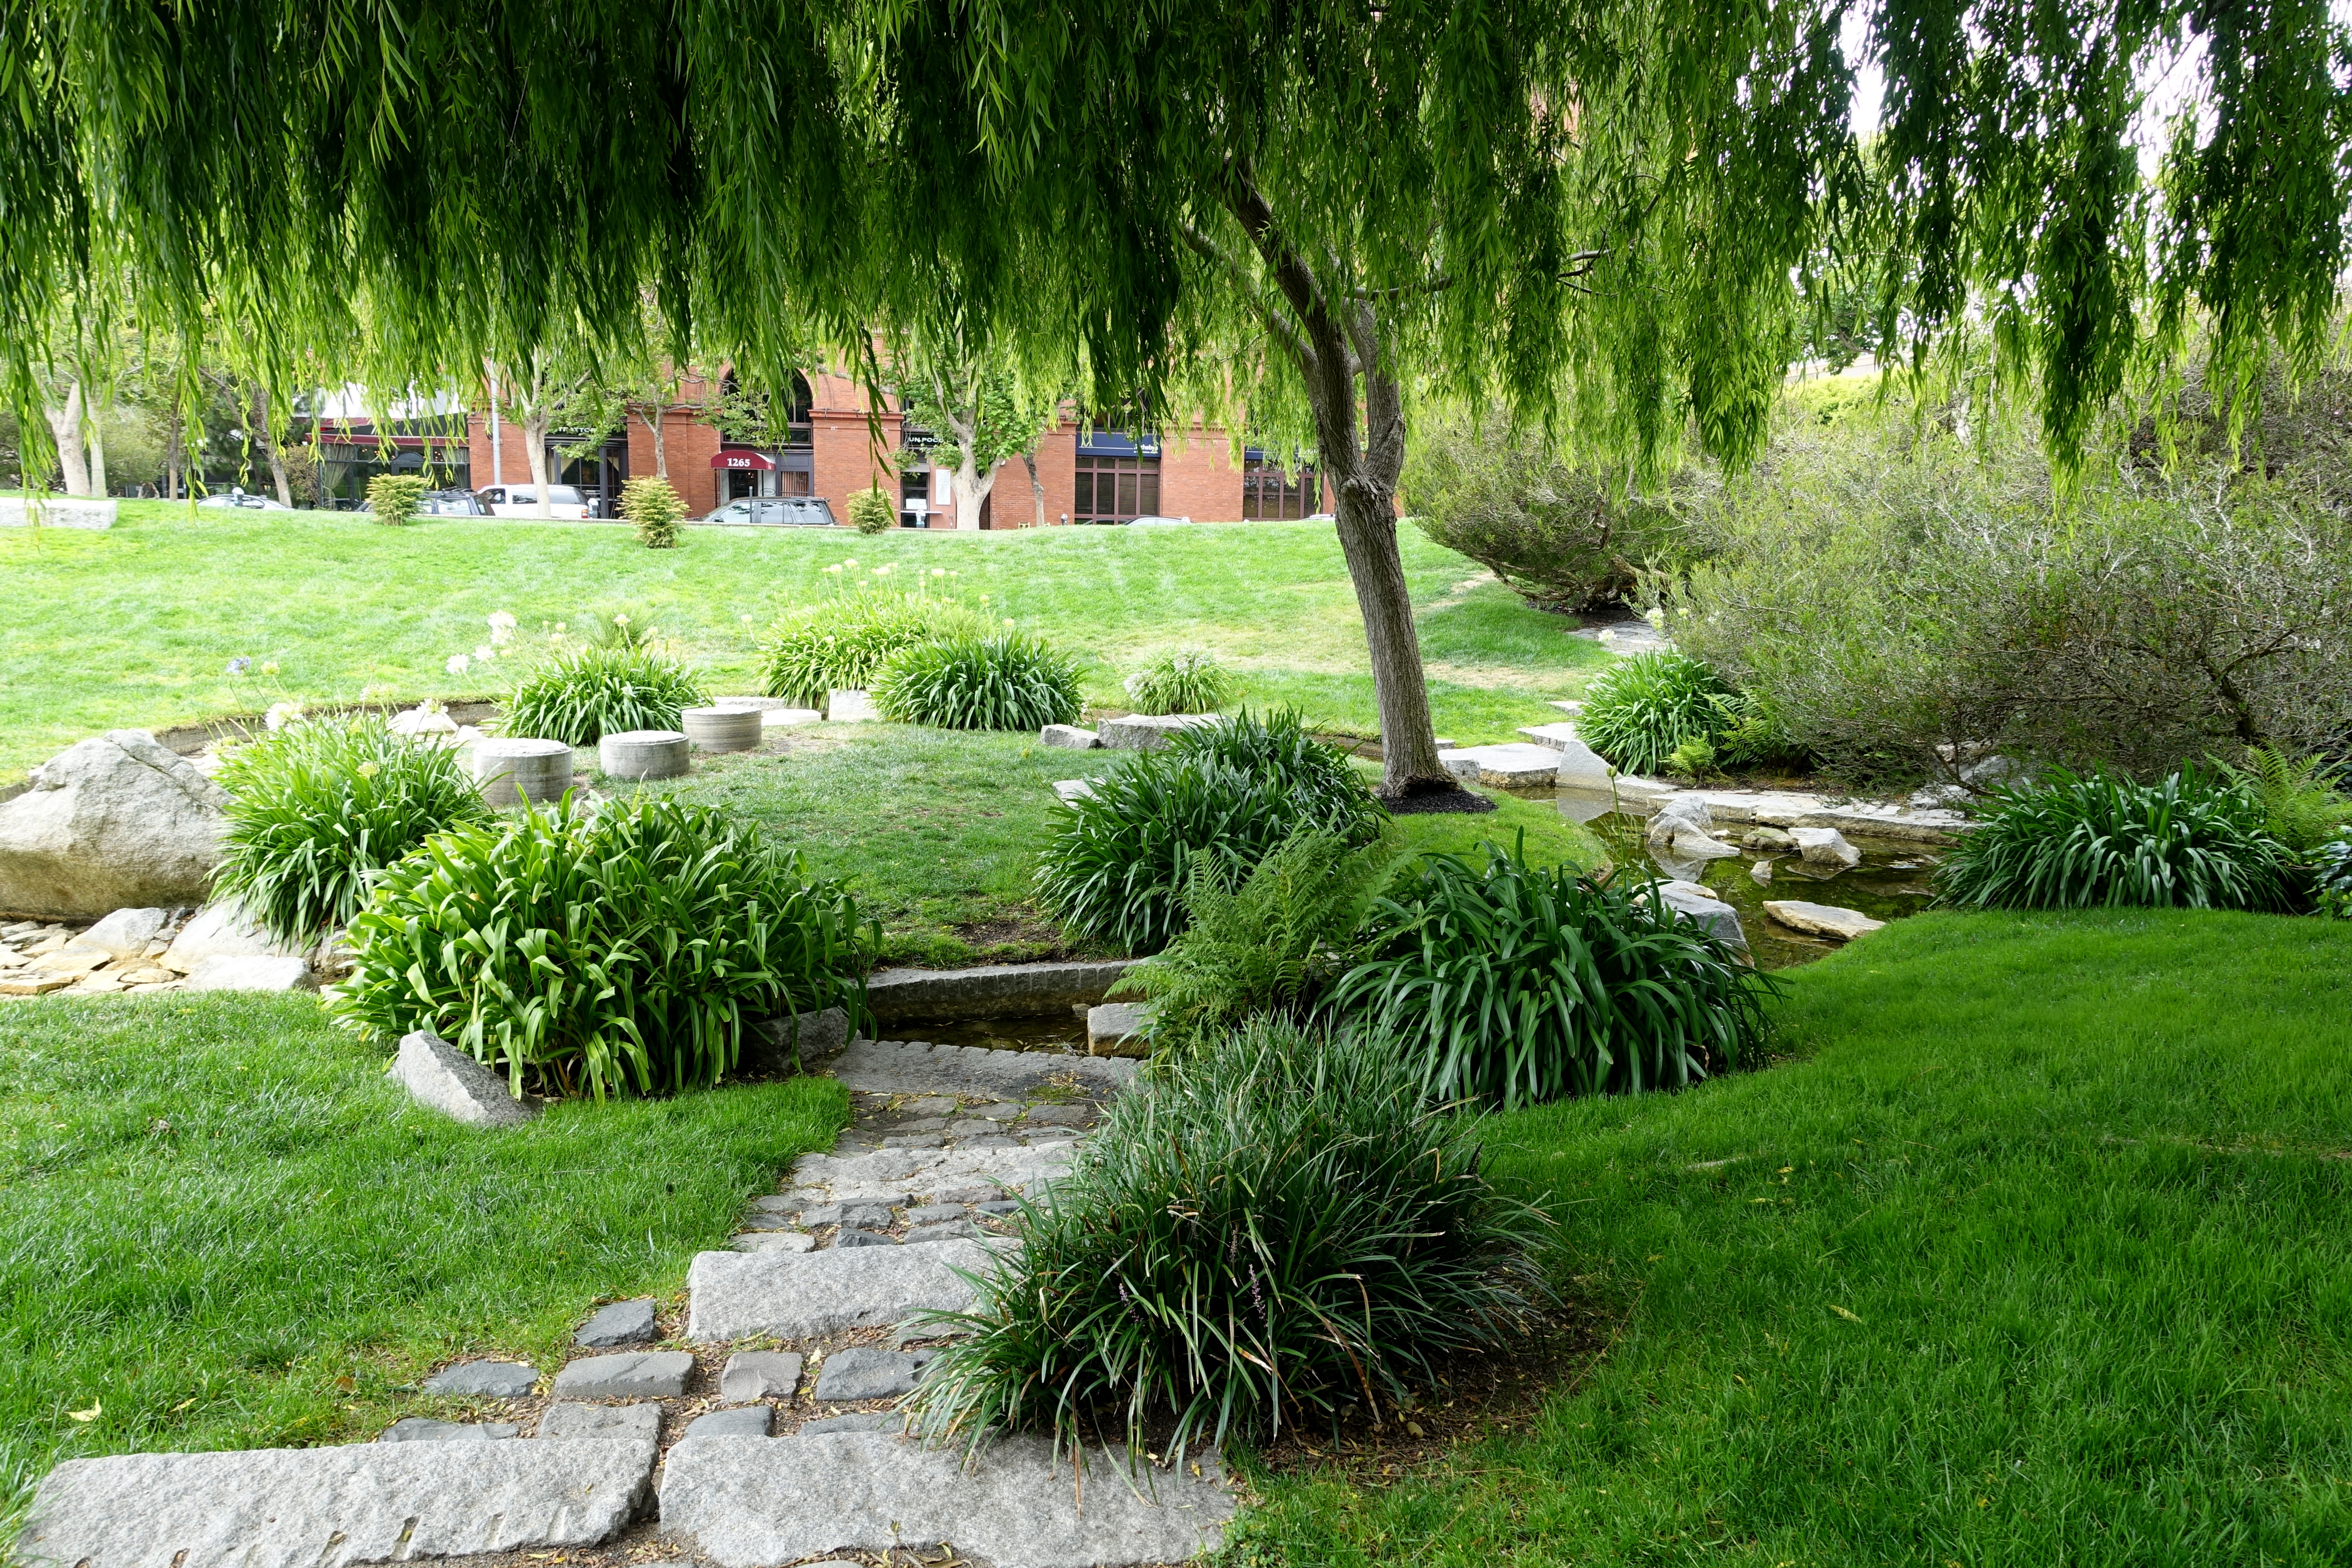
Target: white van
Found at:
522, 501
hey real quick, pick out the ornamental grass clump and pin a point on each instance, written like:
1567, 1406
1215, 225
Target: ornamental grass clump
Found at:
625, 951
1119, 858
1642, 709
393, 499
1185, 680
2190, 840
1003, 680
1272, 1235
1511, 985
318, 807
582, 694
839, 644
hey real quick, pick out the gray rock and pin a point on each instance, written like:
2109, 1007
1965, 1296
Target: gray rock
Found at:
772, 1241
760, 1375
633, 1375
957, 1196
222, 930
1681, 813
621, 1323
986, 991
1002, 1110
815, 1035
1761, 873
1767, 838
495, 1379
1821, 919
221, 972
914, 1140
973, 1126
932, 1214
850, 1235
945, 1230
766, 1219
998, 1206
986, 1143
425, 1429
1071, 791
1149, 731
900, 1066
746, 1501
1069, 737
931, 1105
925, 1124
863, 1372
743, 1421
776, 1203
20, 512
325, 1507
850, 706
1061, 1115
735, 1295
125, 934
118, 821
1693, 901
437, 1074
1520, 764
1553, 737
855, 1421
1824, 846
1117, 1029
858, 1216
1584, 769
606, 1423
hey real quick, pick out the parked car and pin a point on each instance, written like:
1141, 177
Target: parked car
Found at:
774, 512
522, 501
1157, 521
452, 503
245, 499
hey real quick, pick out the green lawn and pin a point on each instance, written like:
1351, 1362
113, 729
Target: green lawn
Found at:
136, 625
221, 1228
2039, 1255
938, 831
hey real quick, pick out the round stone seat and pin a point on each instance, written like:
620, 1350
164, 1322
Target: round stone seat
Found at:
636, 754
723, 728
512, 770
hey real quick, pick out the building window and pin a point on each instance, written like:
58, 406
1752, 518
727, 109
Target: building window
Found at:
1269, 494
1116, 489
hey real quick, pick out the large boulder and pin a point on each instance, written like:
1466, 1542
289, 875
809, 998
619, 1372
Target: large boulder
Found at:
222, 930
118, 821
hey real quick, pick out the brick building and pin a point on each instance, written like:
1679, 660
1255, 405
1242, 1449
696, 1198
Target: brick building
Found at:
836, 446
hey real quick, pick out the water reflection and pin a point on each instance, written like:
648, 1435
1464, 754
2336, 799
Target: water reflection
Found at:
1891, 882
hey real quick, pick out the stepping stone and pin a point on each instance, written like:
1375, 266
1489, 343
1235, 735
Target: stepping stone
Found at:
887, 1175
320, 1508
497, 1379
956, 1197
1516, 764
1149, 731
1117, 1029
931, 1105
1824, 846
765, 1219
222, 973
1696, 901
974, 1127
1821, 919
735, 1295
622, 1323
760, 1375
987, 990
861, 1217
855, 1421
1071, 791
636, 1374
745, 1420
425, 1429
636, 1423
777, 1202
1004, 1110
933, 1213
863, 1372
915, 1140
747, 1501
947, 1230
773, 1241
850, 1235
1061, 1115
998, 1206
1069, 737
1554, 737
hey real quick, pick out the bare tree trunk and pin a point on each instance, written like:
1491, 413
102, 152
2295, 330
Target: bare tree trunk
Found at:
95, 429
534, 438
65, 427
971, 488
1036, 486
655, 418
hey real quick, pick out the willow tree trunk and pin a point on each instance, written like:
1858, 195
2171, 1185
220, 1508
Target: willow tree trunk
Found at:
64, 429
96, 431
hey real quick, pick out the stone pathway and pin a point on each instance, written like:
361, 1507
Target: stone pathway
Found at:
760, 1427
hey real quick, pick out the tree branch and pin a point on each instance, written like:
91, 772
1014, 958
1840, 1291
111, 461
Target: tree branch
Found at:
1280, 325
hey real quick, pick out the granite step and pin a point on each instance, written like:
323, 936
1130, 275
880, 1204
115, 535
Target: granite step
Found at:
808, 1295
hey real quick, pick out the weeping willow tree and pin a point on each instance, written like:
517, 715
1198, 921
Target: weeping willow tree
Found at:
1603, 213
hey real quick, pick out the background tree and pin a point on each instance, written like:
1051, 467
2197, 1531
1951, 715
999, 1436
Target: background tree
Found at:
985, 410
553, 392
1592, 210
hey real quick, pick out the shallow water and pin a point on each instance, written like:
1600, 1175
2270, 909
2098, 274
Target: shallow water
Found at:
1064, 1032
1891, 882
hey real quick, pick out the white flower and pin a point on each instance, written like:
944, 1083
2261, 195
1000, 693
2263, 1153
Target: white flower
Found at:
938, 570
558, 628
850, 560
457, 663
282, 714
745, 619
503, 626
1008, 620
833, 571
620, 620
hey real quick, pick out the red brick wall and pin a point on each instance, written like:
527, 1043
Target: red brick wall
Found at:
844, 459
1199, 479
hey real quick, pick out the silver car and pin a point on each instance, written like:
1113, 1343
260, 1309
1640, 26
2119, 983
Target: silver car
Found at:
774, 512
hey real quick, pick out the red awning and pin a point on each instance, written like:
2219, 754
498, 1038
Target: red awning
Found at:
741, 457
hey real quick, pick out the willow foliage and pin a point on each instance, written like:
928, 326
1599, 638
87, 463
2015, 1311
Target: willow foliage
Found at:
403, 191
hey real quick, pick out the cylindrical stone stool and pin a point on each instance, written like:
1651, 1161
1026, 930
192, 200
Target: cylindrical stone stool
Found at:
512, 771
722, 728
756, 704
643, 754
